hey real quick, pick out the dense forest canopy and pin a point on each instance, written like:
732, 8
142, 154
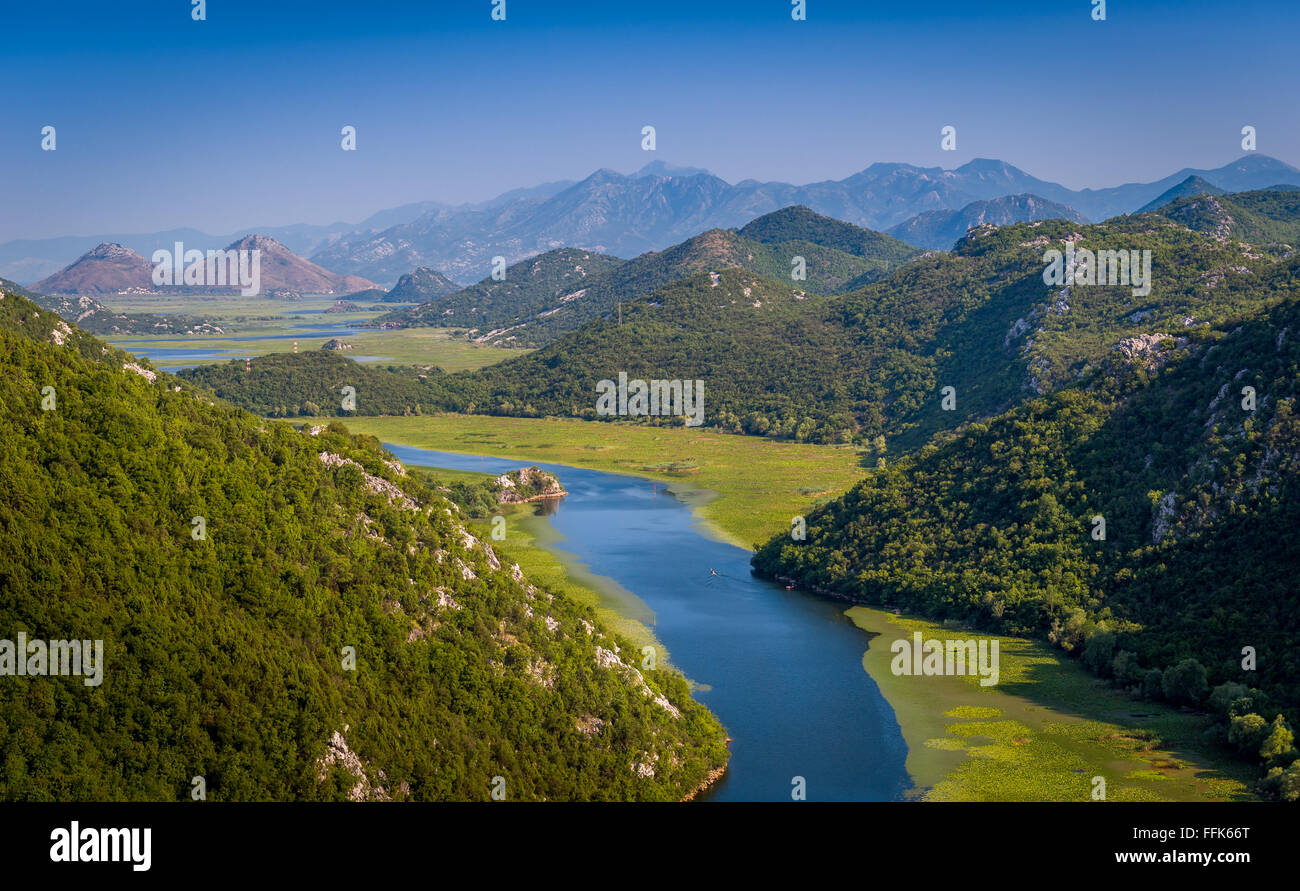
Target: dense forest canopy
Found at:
228, 563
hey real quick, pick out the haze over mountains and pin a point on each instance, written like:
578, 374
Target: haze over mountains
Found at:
651, 209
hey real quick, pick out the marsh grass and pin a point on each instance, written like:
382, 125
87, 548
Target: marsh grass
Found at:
1043, 732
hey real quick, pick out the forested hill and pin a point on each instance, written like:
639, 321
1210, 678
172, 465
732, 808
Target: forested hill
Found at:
1269, 217
90, 315
543, 298
310, 384
529, 287
1196, 478
235, 567
778, 360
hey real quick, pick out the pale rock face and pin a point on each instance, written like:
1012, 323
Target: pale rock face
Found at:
373, 484
609, 660
541, 672
1147, 348
1164, 515
140, 370
339, 754
645, 769
589, 725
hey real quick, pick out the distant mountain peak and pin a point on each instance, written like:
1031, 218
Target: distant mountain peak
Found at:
660, 205
1257, 161
663, 168
111, 250
257, 242
604, 174
940, 229
986, 164
1192, 185
421, 285
107, 268
110, 268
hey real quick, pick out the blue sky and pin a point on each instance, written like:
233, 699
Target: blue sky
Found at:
165, 122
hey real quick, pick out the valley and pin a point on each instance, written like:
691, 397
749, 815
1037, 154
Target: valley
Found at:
1052, 719
412, 410
255, 327
876, 440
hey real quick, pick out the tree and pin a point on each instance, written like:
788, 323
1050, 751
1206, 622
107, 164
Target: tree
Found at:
1279, 741
1153, 684
1186, 682
1284, 785
1246, 732
1098, 653
1224, 695
1126, 669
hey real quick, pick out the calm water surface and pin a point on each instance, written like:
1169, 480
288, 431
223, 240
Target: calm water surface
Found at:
782, 669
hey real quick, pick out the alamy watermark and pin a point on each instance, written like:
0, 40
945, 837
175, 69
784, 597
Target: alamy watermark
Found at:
102, 845
637, 398
1085, 267
217, 269
66, 658
946, 657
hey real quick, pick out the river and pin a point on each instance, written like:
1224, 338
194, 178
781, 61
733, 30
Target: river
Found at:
781, 669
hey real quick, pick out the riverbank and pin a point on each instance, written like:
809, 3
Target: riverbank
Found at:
532, 542
714, 775
741, 489
760, 654
1043, 733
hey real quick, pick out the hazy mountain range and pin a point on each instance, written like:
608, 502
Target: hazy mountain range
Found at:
625, 216
658, 206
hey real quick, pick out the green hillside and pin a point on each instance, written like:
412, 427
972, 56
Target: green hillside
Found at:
993, 525
799, 224
224, 653
874, 362
420, 285
530, 286
310, 384
90, 315
559, 291
1268, 217
781, 361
